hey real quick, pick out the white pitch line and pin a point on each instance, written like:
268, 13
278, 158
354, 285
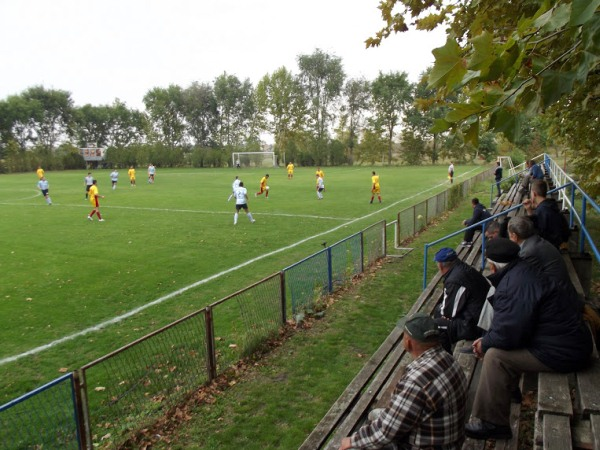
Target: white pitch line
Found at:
162, 299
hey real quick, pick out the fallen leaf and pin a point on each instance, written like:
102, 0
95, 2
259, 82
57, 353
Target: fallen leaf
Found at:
99, 388
63, 370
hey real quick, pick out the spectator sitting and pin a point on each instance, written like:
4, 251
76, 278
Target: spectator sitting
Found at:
479, 213
550, 223
428, 406
496, 228
537, 326
535, 171
465, 290
537, 251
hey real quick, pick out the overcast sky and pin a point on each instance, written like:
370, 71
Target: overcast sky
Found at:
100, 50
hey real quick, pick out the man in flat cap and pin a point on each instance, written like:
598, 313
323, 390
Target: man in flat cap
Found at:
537, 326
427, 408
465, 290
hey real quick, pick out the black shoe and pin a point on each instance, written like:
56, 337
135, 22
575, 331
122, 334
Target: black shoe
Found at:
480, 429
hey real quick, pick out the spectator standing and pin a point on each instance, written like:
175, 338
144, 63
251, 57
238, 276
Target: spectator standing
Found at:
545, 213
498, 176
465, 290
451, 172
94, 195
375, 187
87, 182
44, 186
537, 326
480, 213
241, 202
114, 177
320, 187
427, 408
263, 187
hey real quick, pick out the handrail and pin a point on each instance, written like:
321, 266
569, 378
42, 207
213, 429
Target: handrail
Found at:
566, 182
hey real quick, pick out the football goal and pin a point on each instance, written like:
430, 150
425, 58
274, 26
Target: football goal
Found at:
254, 159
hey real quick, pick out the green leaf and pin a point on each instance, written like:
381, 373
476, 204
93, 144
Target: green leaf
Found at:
483, 53
439, 126
472, 134
560, 18
449, 67
460, 111
507, 122
488, 96
555, 84
582, 11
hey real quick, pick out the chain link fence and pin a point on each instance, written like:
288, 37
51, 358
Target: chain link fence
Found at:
43, 418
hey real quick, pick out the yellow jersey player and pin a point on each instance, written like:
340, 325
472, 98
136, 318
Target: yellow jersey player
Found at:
94, 195
290, 170
263, 187
375, 188
320, 173
40, 172
131, 175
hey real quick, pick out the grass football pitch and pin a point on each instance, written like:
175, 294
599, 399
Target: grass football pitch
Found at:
63, 275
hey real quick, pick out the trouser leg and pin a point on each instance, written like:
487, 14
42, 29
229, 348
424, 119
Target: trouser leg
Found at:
499, 377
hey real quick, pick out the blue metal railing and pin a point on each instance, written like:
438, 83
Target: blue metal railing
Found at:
569, 201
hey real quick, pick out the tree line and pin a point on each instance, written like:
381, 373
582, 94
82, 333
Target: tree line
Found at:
316, 116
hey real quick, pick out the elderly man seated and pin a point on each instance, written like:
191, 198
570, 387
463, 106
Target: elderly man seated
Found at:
537, 326
427, 408
465, 290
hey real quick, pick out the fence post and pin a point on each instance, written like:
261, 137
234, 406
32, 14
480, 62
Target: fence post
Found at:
84, 427
283, 297
384, 237
211, 357
362, 252
329, 271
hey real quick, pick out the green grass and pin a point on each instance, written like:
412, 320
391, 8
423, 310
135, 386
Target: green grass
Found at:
278, 402
62, 274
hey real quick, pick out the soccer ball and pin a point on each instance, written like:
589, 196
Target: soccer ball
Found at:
267, 188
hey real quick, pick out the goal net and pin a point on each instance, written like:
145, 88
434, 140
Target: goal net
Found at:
254, 159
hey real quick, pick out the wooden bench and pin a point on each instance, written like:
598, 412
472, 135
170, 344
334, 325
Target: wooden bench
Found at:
568, 405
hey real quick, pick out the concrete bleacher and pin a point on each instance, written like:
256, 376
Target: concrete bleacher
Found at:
565, 413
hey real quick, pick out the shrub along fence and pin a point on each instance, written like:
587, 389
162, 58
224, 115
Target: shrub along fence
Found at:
128, 389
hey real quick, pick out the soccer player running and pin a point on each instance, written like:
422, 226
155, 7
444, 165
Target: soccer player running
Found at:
87, 182
114, 177
263, 187
241, 202
131, 175
375, 188
320, 187
151, 173
43, 186
40, 172
93, 193
290, 170
234, 186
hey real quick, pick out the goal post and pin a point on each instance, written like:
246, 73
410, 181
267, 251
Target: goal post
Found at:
254, 159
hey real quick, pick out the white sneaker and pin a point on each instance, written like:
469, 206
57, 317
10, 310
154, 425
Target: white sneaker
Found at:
252, 221
90, 217
466, 244
101, 220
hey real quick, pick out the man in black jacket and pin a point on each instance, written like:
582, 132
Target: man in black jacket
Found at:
480, 213
537, 327
465, 290
546, 215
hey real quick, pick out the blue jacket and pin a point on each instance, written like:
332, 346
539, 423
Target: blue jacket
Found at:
533, 312
536, 172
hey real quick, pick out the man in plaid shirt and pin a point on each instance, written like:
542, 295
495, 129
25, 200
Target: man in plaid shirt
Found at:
427, 408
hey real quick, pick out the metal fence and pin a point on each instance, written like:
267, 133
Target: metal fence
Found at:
98, 405
43, 418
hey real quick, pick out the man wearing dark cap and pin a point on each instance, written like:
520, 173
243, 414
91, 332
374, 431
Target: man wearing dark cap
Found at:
427, 408
536, 327
465, 290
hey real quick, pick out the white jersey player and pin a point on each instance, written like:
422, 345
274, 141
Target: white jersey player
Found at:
241, 202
